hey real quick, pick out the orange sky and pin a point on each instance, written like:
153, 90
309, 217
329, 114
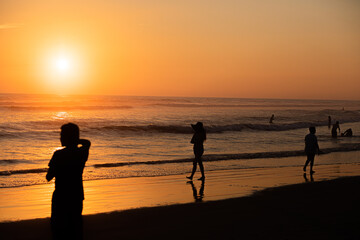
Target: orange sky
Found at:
228, 48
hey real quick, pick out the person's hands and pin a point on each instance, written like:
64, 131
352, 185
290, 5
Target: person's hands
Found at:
84, 142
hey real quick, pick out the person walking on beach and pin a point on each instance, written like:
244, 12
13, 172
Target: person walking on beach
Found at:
334, 129
329, 122
67, 166
311, 148
198, 140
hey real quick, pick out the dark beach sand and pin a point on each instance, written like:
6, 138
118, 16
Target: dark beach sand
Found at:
313, 210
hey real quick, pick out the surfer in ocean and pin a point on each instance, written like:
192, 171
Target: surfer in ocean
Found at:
334, 129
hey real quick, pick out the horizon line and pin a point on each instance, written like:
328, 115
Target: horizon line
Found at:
178, 96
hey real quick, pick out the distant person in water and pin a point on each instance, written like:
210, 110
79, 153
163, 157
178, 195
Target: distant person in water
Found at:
198, 140
272, 118
347, 133
329, 122
311, 148
334, 129
67, 166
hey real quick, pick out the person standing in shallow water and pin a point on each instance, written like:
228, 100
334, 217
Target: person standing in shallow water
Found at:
311, 148
198, 140
334, 129
271, 118
67, 166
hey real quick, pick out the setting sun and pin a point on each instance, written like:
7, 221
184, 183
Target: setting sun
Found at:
61, 69
62, 65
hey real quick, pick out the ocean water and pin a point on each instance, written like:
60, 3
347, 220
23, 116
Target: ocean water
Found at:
150, 136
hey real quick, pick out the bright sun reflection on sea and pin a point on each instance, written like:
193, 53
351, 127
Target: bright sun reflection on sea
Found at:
61, 115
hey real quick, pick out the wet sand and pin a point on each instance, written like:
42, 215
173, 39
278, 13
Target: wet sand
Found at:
121, 194
312, 210
259, 203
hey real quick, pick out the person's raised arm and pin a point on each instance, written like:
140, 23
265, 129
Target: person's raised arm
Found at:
85, 143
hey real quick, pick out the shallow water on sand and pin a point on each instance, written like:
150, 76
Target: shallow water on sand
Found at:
108, 195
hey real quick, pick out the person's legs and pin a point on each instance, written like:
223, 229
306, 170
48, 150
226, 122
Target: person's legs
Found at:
58, 217
310, 159
75, 220
334, 134
312, 164
306, 163
193, 170
198, 153
201, 169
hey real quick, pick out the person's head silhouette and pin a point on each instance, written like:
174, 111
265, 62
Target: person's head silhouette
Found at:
69, 135
312, 130
198, 127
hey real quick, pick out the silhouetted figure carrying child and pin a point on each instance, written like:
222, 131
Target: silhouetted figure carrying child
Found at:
198, 140
67, 166
311, 148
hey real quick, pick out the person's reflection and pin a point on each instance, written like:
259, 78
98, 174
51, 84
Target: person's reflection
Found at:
197, 197
307, 179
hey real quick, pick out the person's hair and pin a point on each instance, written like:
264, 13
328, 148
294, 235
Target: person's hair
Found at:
203, 133
200, 129
70, 134
312, 129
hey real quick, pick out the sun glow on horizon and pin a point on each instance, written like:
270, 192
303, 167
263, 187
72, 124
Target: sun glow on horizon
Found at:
62, 70
247, 49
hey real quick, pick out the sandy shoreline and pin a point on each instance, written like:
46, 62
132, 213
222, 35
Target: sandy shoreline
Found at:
259, 203
128, 193
313, 210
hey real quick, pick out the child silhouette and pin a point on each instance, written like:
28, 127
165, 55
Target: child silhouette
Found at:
311, 148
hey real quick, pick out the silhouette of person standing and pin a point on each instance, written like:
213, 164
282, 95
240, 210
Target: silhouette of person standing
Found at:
311, 148
334, 129
67, 166
198, 140
329, 122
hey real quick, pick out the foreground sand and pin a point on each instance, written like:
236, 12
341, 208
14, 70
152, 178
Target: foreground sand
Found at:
313, 210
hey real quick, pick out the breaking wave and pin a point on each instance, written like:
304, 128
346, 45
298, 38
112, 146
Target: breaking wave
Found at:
208, 158
177, 129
